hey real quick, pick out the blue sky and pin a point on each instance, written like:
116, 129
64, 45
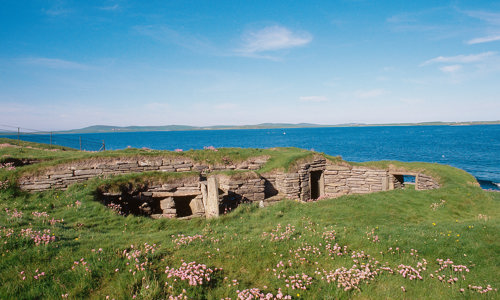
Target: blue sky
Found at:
70, 64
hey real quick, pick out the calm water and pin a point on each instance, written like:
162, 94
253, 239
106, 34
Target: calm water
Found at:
475, 149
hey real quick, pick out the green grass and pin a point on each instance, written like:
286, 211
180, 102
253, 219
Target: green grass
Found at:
463, 227
136, 181
283, 159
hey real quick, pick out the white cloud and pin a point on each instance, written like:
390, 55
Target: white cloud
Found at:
53, 63
365, 94
313, 99
485, 39
461, 59
272, 38
451, 68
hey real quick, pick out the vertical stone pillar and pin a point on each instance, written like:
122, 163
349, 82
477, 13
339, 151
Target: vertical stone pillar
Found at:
385, 182
204, 194
391, 182
212, 204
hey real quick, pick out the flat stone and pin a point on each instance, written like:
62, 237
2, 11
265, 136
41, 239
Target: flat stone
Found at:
36, 187
88, 172
176, 194
127, 165
167, 169
170, 211
177, 166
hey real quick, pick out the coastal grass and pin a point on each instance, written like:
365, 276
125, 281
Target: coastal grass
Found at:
89, 255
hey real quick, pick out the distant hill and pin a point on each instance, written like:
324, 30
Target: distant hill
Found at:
108, 128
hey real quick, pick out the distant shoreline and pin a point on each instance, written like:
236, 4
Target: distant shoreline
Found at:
111, 129
107, 128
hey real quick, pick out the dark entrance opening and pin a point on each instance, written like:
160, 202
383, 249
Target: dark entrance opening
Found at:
182, 207
402, 181
399, 181
155, 207
315, 182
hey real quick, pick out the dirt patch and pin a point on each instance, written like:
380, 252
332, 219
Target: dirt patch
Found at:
8, 145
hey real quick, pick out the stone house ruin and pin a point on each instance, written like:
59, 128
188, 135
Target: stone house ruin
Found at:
210, 190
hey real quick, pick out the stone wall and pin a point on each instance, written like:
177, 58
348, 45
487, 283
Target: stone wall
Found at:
62, 176
316, 178
288, 185
342, 180
336, 180
426, 182
182, 199
304, 172
240, 189
188, 198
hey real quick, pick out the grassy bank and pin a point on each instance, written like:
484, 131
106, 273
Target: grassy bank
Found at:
66, 244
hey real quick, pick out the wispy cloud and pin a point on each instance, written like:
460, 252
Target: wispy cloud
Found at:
366, 94
53, 63
485, 39
272, 38
54, 12
451, 69
492, 18
110, 8
58, 8
165, 34
313, 99
460, 59
417, 21
402, 18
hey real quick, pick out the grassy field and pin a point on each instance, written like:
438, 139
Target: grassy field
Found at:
439, 244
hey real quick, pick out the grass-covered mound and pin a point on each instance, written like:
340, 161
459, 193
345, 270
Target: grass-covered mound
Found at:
434, 244
48, 156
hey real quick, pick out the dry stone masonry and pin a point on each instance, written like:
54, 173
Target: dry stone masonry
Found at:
211, 193
61, 177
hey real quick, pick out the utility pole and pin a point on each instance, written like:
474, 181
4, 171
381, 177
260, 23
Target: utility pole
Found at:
80, 143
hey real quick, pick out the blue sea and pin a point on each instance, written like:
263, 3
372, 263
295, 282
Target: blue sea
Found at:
475, 149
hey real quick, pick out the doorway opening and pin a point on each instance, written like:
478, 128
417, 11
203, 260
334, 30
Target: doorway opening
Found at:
182, 206
317, 184
403, 181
